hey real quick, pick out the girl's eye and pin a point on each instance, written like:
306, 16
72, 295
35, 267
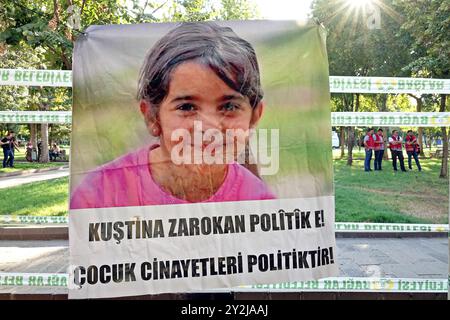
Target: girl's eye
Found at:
186, 107
230, 106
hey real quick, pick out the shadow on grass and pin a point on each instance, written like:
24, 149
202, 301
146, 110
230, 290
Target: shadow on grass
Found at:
388, 196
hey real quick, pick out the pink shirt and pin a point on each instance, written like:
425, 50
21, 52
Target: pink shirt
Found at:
127, 181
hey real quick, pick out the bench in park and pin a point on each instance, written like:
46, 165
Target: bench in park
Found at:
437, 154
62, 155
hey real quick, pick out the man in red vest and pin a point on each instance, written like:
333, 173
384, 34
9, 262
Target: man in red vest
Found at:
412, 149
395, 144
369, 144
379, 149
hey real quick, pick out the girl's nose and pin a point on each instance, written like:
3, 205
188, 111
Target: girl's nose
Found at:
211, 121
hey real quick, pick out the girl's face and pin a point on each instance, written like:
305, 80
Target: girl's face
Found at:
196, 94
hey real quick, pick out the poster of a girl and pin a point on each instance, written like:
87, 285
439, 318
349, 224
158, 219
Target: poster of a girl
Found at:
198, 73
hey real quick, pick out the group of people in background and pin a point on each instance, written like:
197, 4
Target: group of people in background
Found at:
375, 143
53, 152
9, 144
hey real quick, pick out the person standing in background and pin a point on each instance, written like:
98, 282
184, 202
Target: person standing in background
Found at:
39, 147
395, 144
379, 148
8, 144
411, 146
369, 145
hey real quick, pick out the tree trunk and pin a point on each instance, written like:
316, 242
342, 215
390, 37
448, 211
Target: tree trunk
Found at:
420, 130
350, 135
382, 107
342, 140
430, 140
44, 139
386, 140
33, 135
350, 141
444, 163
351, 131
50, 135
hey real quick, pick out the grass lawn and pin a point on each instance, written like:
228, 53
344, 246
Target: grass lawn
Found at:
21, 164
386, 196
359, 152
43, 198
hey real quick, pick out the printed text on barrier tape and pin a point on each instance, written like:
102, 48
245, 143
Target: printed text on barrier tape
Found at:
338, 84
392, 119
34, 280
339, 226
389, 227
361, 285
34, 219
414, 119
347, 284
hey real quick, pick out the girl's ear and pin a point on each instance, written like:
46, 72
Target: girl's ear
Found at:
257, 114
150, 120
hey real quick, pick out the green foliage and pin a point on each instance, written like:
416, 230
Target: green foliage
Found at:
428, 23
237, 10
202, 10
37, 34
355, 50
44, 25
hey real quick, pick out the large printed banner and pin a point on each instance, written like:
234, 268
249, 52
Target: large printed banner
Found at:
201, 158
28, 77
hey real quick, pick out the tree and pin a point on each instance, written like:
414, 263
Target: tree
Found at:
42, 26
419, 106
355, 50
40, 34
428, 22
237, 10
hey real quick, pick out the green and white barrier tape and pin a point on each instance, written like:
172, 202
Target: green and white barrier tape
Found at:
339, 226
389, 227
361, 119
34, 219
338, 284
61, 117
54, 280
338, 84
28, 77
345, 84
391, 119
360, 284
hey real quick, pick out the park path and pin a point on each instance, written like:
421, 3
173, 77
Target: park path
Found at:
415, 257
421, 258
6, 182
